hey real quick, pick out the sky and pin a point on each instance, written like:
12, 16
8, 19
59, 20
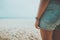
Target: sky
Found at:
19, 8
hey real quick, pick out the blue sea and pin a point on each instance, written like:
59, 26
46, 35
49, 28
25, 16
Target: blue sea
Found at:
22, 23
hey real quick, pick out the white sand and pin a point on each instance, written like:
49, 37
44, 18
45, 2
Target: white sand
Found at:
18, 29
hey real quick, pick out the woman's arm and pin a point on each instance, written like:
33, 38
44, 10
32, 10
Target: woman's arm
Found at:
42, 8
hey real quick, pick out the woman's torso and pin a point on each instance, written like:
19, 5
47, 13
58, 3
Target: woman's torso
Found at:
53, 10
53, 4
51, 15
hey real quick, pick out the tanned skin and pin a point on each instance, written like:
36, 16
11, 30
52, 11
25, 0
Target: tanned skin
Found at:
45, 34
42, 7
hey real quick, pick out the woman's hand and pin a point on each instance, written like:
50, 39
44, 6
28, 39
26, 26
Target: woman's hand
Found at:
36, 24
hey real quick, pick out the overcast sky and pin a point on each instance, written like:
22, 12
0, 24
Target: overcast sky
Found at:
18, 8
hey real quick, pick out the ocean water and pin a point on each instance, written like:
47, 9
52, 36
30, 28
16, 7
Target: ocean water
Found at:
25, 24
18, 29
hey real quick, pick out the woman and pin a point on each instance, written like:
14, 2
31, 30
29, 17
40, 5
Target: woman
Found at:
48, 19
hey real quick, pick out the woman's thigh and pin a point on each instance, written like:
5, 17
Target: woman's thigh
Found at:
56, 35
46, 34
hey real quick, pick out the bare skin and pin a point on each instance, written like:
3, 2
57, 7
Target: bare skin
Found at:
42, 8
45, 34
56, 35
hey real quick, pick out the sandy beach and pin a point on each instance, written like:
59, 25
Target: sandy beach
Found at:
18, 29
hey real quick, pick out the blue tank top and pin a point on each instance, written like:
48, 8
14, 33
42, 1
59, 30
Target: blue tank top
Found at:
53, 4
52, 12
53, 9
51, 16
